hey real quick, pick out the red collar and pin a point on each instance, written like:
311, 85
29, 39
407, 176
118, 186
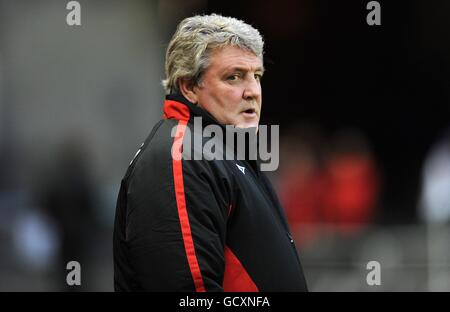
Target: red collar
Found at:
176, 110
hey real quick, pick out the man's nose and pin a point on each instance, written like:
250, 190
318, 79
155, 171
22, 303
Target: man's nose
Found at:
252, 89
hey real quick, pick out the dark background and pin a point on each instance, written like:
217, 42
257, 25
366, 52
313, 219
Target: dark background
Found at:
77, 101
326, 65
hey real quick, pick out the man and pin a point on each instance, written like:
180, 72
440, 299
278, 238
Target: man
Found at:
204, 225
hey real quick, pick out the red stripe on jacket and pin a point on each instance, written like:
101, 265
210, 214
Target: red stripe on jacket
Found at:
175, 110
236, 278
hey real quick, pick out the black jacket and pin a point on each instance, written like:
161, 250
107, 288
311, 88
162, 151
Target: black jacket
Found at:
199, 225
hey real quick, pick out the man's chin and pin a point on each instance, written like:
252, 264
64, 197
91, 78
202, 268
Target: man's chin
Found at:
248, 125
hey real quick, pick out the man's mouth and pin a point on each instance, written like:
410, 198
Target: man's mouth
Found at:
251, 112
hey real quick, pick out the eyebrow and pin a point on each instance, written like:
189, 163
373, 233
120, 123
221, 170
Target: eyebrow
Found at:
245, 69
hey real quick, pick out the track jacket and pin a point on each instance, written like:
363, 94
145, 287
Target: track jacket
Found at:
199, 225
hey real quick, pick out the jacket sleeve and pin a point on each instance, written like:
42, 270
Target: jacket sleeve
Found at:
176, 223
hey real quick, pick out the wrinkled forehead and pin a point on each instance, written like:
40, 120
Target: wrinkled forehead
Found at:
231, 57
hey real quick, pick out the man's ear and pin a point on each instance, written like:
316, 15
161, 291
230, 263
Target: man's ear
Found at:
187, 89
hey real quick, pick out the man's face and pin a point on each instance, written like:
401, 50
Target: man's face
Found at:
230, 89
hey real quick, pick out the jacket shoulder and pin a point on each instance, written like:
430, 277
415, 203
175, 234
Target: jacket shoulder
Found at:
155, 149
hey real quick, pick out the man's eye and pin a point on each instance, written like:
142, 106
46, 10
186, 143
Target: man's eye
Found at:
258, 77
233, 77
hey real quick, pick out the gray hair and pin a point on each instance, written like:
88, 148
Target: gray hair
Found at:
188, 52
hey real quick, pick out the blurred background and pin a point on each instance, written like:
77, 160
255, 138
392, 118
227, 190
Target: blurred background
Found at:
363, 111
